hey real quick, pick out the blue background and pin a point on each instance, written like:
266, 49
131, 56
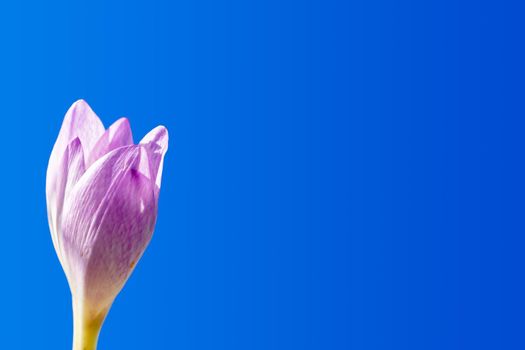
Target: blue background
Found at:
341, 175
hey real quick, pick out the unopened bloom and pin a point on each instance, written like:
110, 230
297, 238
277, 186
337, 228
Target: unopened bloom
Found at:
102, 193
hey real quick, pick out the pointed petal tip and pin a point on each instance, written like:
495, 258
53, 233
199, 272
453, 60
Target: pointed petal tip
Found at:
80, 121
80, 101
122, 128
80, 105
164, 132
159, 136
117, 135
156, 145
122, 120
81, 111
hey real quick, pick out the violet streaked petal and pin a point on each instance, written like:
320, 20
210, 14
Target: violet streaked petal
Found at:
117, 135
156, 142
82, 123
123, 234
108, 221
70, 169
76, 164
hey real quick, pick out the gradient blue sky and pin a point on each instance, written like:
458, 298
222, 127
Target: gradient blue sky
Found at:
341, 174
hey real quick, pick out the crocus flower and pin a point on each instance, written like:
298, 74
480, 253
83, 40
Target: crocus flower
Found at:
102, 193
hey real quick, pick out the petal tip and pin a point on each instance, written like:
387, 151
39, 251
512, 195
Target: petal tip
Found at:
158, 135
80, 104
156, 145
122, 120
80, 112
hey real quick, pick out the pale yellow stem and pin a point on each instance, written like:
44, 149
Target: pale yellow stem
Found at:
87, 326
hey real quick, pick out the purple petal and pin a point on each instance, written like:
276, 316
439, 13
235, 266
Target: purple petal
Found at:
107, 222
70, 168
76, 165
82, 123
156, 142
117, 135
